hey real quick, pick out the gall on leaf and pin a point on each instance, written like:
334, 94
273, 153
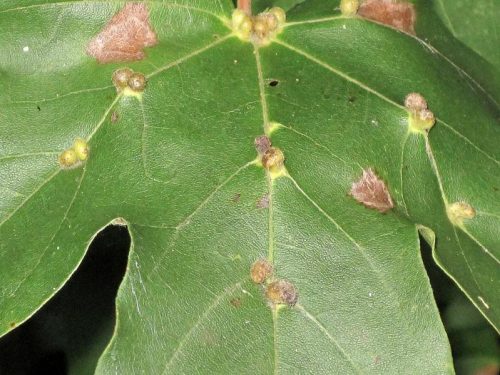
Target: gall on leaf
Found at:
372, 192
81, 148
282, 292
398, 14
68, 159
262, 144
260, 271
459, 211
124, 37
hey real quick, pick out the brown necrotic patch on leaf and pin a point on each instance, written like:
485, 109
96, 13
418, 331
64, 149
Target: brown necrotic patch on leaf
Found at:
398, 14
372, 192
124, 37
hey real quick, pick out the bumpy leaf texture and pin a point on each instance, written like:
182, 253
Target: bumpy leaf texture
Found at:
177, 164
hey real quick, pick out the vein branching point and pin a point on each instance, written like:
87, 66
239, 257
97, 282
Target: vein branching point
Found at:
260, 29
421, 119
128, 82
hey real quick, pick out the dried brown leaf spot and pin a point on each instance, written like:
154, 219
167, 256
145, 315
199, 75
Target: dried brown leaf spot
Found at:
125, 36
398, 14
372, 192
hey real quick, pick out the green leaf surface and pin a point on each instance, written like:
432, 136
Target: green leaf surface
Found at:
475, 24
179, 167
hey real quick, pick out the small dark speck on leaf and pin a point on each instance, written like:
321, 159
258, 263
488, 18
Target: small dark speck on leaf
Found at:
352, 99
236, 302
12, 324
236, 198
38, 107
114, 117
274, 83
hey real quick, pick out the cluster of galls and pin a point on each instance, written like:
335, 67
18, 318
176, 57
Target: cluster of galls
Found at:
278, 292
421, 118
259, 29
126, 79
75, 155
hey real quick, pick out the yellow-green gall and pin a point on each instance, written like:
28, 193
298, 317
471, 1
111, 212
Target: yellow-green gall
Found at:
81, 148
459, 211
241, 23
68, 158
261, 270
259, 29
349, 8
280, 15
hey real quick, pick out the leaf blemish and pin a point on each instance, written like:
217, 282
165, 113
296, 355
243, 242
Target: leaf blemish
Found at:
114, 117
263, 202
372, 192
398, 14
124, 37
236, 302
460, 211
